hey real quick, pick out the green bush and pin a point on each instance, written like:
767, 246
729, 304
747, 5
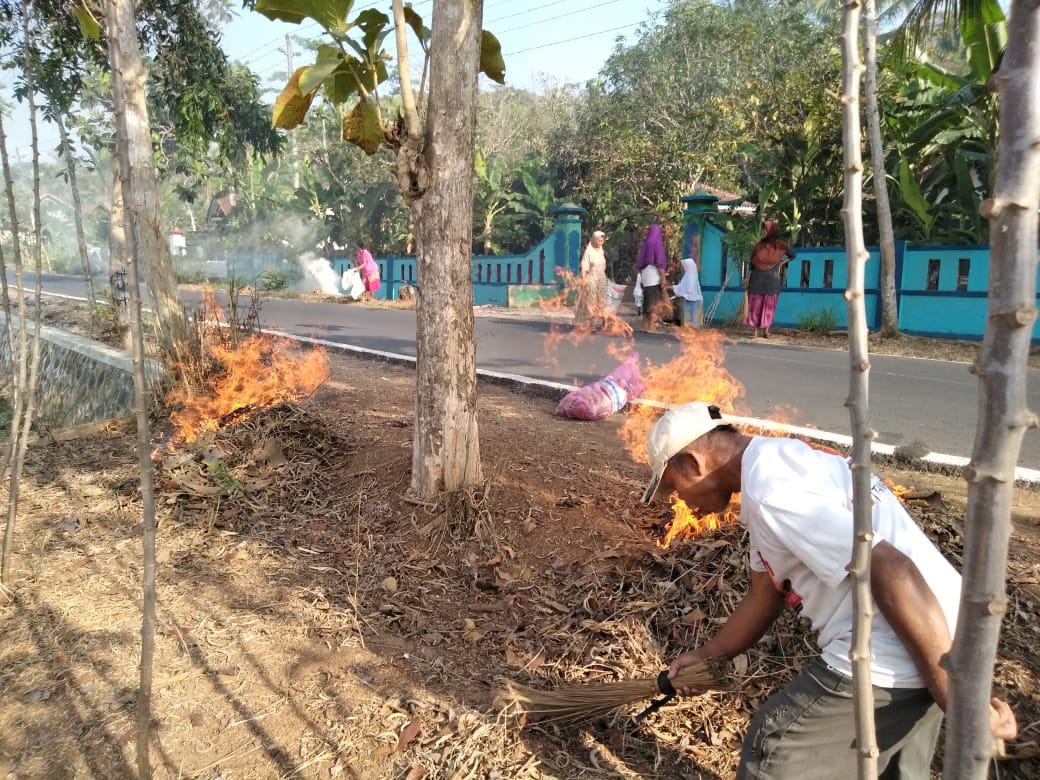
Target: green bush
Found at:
819, 320
275, 279
190, 276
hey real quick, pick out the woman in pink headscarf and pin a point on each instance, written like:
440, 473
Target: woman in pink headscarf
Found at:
651, 265
763, 281
369, 270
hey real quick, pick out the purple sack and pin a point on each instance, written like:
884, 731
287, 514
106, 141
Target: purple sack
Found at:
608, 396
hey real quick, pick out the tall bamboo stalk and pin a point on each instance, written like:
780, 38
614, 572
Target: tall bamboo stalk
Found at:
857, 403
1004, 415
135, 225
27, 359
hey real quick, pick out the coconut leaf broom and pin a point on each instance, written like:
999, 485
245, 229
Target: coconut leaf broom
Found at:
595, 700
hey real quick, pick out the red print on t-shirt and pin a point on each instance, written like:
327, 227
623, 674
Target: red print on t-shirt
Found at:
791, 597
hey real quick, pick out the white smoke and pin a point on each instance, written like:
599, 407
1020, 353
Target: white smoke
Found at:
318, 275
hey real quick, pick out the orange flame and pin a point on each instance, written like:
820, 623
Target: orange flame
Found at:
695, 374
262, 371
686, 525
558, 334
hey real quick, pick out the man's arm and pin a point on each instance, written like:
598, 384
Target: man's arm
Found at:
749, 621
914, 613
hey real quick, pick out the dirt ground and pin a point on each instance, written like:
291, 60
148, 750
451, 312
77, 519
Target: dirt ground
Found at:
316, 621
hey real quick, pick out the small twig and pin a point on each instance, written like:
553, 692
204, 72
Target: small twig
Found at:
227, 756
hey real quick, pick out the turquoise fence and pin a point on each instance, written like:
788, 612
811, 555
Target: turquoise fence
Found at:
941, 291
501, 280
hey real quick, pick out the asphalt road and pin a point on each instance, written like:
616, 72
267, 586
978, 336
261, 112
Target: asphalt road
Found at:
928, 403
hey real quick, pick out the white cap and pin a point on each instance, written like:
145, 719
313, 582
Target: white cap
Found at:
678, 427
598, 233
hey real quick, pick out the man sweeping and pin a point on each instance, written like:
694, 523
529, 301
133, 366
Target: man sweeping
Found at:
796, 502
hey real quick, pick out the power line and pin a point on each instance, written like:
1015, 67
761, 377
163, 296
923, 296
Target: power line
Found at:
527, 11
561, 16
572, 38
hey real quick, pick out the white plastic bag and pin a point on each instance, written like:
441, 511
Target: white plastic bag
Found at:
352, 284
615, 293
637, 295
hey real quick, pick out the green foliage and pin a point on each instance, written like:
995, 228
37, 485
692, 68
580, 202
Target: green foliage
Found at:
275, 279
673, 111
190, 275
944, 123
819, 320
355, 67
225, 480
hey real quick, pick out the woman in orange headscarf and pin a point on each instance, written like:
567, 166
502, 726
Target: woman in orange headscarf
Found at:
763, 281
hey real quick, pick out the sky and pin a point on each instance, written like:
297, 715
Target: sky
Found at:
542, 40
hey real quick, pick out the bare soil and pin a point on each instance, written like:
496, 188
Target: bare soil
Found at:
317, 621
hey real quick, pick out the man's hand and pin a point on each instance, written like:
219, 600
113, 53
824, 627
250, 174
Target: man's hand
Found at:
1002, 722
686, 659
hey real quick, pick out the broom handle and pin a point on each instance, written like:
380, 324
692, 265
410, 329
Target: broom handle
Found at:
664, 685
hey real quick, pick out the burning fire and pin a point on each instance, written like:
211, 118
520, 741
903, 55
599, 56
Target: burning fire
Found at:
614, 325
695, 374
262, 371
686, 525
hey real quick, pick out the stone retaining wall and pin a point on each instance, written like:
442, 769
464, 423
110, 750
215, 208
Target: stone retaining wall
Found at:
81, 381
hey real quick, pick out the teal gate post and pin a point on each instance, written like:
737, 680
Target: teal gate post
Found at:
566, 249
695, 214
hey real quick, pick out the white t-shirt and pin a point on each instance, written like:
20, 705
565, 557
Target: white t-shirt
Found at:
797, 503
650, 275
689, 286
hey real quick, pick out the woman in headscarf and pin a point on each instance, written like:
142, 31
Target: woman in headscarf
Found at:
590, 310
369, 269
651, 265
768, 256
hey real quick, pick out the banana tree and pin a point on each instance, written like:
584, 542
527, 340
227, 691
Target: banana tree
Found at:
953, 137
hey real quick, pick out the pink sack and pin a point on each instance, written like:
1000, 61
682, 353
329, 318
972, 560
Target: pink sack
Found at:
608, 396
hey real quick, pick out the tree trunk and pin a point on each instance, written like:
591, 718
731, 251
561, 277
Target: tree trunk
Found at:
863, 526
1003, 406
77, 211
129, 70
26, 363
446, 453
886, 235
18, 351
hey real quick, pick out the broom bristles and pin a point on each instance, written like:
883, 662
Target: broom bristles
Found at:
593, 700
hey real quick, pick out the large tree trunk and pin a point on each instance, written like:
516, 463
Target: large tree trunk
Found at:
862, 435
77, 212
127, 67
446, 454
1004, 414
886, 235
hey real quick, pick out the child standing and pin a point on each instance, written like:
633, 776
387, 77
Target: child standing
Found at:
689, 289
